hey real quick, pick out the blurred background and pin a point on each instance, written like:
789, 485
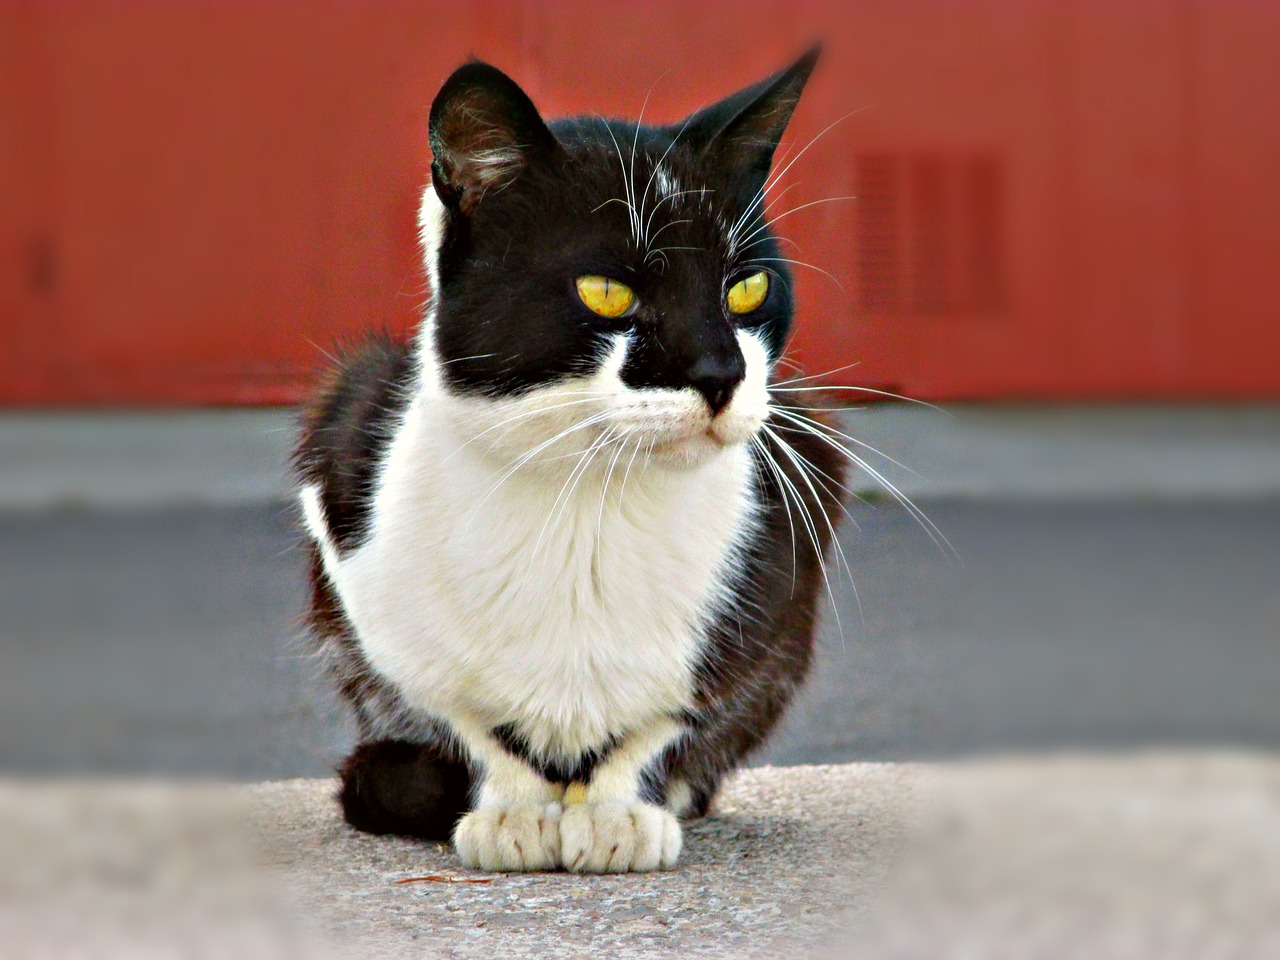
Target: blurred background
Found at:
1056, 219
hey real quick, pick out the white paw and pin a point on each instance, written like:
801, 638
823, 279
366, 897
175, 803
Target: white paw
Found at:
523, 837
618, 837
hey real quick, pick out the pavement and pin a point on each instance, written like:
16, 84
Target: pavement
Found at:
1175, 855
773, 867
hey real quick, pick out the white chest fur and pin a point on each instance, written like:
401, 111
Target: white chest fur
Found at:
575, 617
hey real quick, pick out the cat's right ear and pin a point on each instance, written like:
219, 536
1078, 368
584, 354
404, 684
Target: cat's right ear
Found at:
484, 131
742, 131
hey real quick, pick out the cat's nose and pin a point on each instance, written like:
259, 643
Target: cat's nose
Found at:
716, 378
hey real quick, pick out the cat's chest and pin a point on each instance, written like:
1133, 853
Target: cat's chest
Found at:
575, 617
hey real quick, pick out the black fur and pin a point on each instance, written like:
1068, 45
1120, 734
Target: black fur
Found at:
757, 656
509, 320
409, 789
556, 769
345, 435
562, 215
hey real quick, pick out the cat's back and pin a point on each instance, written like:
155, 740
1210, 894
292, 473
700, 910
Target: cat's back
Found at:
346, 428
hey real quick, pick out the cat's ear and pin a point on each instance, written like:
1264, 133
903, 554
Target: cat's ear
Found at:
742, 131
484, 132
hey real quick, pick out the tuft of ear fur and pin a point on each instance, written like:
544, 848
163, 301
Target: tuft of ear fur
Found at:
484, 131
742, 131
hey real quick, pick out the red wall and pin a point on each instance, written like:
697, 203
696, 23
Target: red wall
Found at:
1062, 200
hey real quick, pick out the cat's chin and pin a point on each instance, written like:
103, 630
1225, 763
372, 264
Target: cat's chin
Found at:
687, 452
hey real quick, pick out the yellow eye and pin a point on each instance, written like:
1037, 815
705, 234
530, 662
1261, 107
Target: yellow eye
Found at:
609, 298
748, 293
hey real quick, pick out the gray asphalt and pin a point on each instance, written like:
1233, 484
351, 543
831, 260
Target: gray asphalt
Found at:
168, 641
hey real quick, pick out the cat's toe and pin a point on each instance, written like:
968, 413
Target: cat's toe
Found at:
618, 838
510, 838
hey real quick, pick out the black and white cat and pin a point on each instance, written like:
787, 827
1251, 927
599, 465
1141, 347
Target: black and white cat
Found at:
567, 546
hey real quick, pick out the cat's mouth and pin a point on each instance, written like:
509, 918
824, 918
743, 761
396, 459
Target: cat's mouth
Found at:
709, 439
682, 443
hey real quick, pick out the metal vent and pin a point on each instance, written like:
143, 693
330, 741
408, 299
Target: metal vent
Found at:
928, 234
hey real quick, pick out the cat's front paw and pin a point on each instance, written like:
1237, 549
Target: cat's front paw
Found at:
618, 837
517, 837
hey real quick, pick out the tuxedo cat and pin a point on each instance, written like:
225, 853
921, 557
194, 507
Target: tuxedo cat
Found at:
567, 545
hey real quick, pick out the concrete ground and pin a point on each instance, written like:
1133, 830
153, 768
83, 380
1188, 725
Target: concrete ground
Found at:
1136, 856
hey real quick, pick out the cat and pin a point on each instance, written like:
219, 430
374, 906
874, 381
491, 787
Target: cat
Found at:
566, 545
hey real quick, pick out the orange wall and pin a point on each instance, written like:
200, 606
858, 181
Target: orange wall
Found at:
1061, 200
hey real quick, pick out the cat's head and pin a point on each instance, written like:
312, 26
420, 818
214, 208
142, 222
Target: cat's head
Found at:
606, 282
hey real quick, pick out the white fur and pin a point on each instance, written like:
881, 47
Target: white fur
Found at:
515, 837
679, 798
495, 166
431, 223
615, 778
573, 609
523, 568
618, 837
313, 518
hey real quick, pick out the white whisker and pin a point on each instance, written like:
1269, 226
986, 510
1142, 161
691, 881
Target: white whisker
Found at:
799, 461
478, 356
929, 527
747, 218
604, 489
815, 376
571, 485
774, 179
654, 173
811, 528
668, 225
525, 414
786, 213
772, 464
798, 263
627, 189
787, 413
880, 393
635, 145
836, 488
525, 458
627, 474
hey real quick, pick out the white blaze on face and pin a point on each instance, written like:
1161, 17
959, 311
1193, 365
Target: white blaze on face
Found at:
677, 425
551, 427
746, 412
664, 421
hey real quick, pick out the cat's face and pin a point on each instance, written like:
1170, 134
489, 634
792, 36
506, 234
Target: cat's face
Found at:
603, 285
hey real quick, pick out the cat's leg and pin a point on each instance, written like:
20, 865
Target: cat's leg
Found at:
515, 824
687, 801
405, 788
607, 826
718, 740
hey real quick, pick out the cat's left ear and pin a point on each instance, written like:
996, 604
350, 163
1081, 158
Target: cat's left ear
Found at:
484, 132
742, 131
